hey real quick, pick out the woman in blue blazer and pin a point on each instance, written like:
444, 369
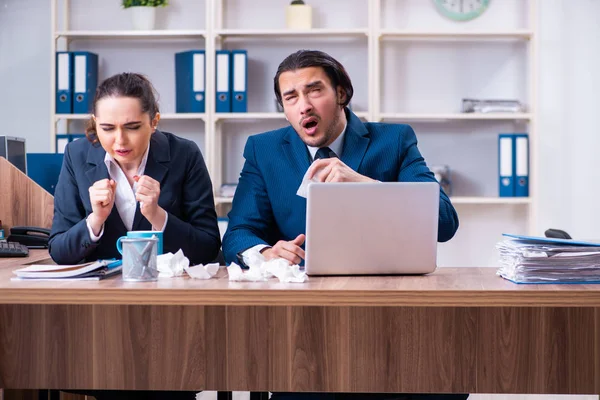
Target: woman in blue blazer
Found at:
129, 176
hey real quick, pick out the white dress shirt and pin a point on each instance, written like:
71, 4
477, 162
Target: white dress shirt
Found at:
125, 194
337, 147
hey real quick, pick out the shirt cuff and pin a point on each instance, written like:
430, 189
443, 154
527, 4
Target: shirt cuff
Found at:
253, 252
91, 232
164, 225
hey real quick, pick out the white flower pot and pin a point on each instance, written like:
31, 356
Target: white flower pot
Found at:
298, 16
143, 18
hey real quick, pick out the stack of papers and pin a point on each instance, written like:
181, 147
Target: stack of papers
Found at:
89, 271
532, 259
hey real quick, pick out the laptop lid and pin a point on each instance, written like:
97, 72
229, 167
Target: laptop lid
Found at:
372, 228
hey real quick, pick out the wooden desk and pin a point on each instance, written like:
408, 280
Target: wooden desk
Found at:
457, 330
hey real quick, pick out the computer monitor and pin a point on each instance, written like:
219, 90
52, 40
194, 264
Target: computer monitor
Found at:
13, 149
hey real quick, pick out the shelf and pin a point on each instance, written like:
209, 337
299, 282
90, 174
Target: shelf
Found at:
470, 35
456, 116
490, 200
263, 116
167, 34
290, 32
165, 116
182, 116
249, 115
455, 200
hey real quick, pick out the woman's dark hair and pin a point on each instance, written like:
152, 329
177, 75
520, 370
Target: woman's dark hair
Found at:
313, 58
127, 84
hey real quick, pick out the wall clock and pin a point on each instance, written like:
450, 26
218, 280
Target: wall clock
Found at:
461, 10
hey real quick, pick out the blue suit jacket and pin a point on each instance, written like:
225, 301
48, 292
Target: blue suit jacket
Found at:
185, 193
266, 208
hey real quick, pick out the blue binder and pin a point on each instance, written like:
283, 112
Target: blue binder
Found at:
222, 64
521, 154
44, 169
63, 140
85, 80
239, 81
64, 79
506, 165
190, 81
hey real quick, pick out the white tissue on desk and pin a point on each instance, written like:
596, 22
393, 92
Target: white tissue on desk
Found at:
261, 270
170, 265
201, 271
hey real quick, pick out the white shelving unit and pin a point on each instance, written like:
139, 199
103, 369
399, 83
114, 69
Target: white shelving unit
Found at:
379, 33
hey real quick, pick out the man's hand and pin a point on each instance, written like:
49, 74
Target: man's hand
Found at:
334, 170
102, 199
290, 251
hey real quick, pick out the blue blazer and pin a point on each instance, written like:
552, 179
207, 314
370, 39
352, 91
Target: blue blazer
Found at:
185, 193
266, 208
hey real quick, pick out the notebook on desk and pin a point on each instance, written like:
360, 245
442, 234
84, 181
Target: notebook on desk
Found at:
372, 228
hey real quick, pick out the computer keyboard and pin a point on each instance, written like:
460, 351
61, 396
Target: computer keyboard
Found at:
13, 249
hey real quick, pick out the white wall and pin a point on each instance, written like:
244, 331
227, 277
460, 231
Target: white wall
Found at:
568, 99
25, 71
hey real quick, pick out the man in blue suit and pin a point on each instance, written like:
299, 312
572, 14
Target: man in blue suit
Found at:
314, 89
329, 143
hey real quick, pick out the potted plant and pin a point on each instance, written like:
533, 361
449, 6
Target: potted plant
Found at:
143, 12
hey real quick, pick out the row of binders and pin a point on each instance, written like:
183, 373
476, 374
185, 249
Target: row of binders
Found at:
63, 139
513, 164
231, 81
76, 81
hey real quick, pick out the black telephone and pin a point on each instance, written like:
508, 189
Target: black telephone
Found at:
30, 236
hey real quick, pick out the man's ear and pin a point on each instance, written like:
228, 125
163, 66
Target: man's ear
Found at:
341, 95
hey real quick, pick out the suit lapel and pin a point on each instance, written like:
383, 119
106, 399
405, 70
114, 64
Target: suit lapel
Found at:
356, 141
159, 156
296, 151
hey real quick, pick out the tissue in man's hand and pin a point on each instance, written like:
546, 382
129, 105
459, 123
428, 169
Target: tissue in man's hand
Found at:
170, 265
303, 189
203, 271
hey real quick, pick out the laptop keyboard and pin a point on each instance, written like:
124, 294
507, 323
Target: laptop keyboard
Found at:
13, 249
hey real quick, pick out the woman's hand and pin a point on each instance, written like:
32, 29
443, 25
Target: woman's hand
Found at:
147, 193
102, 198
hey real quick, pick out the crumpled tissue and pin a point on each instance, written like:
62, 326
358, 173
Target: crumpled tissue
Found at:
261, 270
303, 189
202, 271
170, 265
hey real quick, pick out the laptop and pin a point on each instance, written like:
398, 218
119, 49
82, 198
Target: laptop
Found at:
372, 228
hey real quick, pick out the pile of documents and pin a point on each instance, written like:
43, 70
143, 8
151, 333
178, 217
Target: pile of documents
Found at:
531, 259
491, 106
96, 270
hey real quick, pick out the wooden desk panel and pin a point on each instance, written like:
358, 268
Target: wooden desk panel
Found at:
480, 335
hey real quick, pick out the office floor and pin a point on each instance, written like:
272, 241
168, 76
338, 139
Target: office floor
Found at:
245, 396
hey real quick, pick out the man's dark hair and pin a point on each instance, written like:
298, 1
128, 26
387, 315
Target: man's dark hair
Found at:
126, 84
313, 58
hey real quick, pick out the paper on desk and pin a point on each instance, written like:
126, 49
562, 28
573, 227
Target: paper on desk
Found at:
170, 265
261, 270
201, 271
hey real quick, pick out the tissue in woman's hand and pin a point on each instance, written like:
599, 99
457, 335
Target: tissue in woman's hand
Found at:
170, 265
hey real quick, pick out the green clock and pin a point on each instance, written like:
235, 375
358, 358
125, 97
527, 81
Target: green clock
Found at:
461, 10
